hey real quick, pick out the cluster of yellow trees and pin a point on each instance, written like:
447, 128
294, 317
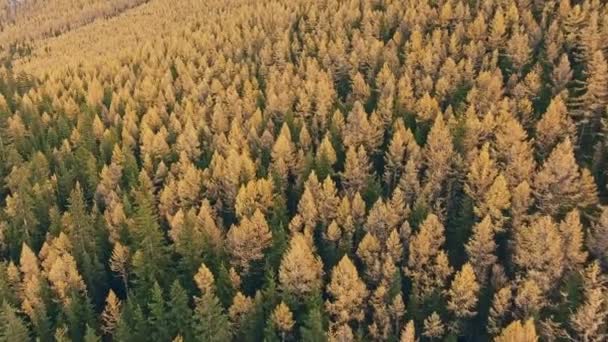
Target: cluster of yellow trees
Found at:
282, 170
26, 20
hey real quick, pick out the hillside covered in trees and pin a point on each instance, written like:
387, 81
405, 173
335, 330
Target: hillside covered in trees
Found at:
297, 170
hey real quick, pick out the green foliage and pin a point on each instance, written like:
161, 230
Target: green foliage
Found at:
12, 327
210, 321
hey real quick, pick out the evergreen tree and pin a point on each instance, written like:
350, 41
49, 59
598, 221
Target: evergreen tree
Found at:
157, 317
179, 313
210, 321
13, 327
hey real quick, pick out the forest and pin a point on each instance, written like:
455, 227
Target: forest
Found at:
303, 170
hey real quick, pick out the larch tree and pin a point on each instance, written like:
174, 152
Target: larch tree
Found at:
326, 154
111, 313
557, 185
358, 129
347, 292
514, 152
496, 200
529, 299
481, 175
500, 310
481, 248
283, 153
394, 157
240, 308
561, 74
328, 201
553, 126
516, 331
439, 154
463, 294
589, 320
572, 234
356, 170
248, 240
408, 333
119, 263
539, 251
300, 270
283, 319
427, 265
596, 97
433, 327
597, 239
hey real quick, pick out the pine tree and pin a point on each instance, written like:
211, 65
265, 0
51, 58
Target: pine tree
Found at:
312, 329
157, 318
132, 324
150, 259
12, 327
179, 315
91, 335
210, 321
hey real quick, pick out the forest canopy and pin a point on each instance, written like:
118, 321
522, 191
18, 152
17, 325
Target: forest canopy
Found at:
295, 170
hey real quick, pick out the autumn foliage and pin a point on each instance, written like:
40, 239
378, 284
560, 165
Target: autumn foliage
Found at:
286, 170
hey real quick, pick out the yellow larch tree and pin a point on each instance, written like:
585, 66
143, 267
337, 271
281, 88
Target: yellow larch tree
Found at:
427, 265
111, 313
539, 251
516, 331
463, 293
348, 294
481, 248
283, 319
300, 270
248, 240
